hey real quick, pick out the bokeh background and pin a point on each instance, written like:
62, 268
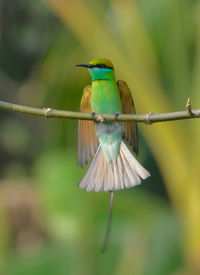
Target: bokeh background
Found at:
47, 224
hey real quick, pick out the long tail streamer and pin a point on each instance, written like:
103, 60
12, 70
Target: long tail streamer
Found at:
105, 244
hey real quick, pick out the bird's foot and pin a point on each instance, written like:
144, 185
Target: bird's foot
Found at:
93, 114
116, 114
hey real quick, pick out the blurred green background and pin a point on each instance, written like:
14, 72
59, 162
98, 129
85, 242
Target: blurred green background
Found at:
47, 224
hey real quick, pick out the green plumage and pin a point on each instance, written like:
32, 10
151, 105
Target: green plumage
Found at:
113, 166
105, 100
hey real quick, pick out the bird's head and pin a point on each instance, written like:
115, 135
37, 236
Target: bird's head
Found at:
100, 69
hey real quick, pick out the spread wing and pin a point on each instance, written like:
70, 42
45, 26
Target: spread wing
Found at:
130, 135
87, 139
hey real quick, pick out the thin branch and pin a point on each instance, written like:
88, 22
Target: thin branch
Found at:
145, 118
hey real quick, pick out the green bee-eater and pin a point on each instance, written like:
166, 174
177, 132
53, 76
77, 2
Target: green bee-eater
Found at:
113, 166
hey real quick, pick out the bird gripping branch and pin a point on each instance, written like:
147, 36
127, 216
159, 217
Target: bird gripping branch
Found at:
113, 166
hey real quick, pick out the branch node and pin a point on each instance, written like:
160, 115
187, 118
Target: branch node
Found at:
99, 118
189, 107
47, 111
148, 119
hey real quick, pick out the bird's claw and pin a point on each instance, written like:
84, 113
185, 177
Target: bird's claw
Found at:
116, 114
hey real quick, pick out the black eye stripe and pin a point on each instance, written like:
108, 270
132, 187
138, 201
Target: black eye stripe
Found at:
103, 66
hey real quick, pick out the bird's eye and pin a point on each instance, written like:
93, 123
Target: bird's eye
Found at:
102, 66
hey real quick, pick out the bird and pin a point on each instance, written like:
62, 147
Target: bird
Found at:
113, 166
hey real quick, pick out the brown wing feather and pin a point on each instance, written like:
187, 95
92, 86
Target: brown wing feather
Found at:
87, 139
130, 135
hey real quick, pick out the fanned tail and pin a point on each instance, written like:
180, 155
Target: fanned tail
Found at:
126, 172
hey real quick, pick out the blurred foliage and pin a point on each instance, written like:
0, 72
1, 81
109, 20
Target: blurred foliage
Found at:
155, 47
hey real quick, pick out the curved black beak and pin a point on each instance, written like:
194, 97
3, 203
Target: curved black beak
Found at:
85, 65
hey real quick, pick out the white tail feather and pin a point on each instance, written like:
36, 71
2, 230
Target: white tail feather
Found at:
126, 172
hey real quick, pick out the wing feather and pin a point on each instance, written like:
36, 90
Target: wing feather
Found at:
87, 139
131, 134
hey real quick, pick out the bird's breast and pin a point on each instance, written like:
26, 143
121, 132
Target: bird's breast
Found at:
105, 97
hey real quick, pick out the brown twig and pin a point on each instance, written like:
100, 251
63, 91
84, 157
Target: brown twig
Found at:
145, 118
